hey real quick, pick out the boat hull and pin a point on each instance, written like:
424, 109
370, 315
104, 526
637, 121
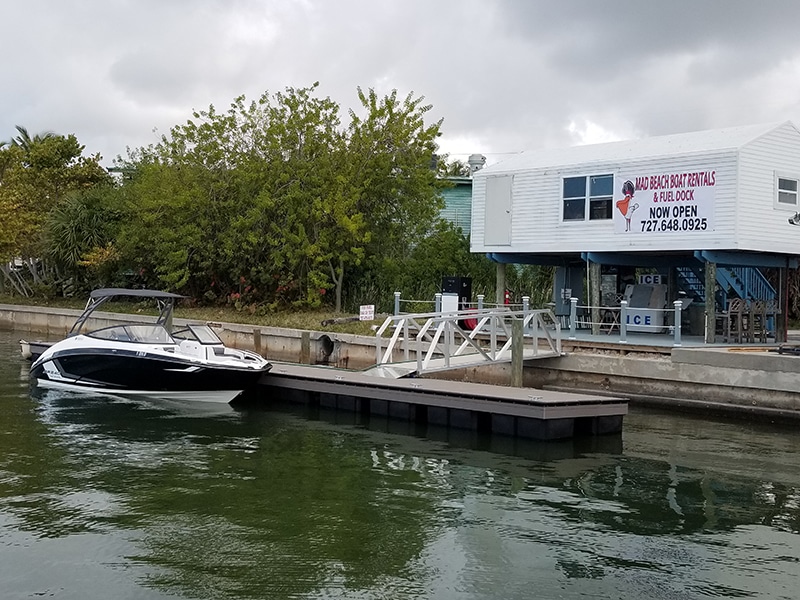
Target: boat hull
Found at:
139, 373
203, 396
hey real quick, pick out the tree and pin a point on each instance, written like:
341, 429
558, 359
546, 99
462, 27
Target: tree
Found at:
454, 168
273, 201
391, 152
25, 141
392, 149
243, 190
165, 233
79, 234
36, 174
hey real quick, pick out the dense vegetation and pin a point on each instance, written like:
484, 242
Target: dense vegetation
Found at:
274, 203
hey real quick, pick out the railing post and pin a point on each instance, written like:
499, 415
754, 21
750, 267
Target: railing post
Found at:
493, 336
678, 304
480, 301
623, 322
573, 316
406, 341
448, 336
526, 300
396, 303
438, 303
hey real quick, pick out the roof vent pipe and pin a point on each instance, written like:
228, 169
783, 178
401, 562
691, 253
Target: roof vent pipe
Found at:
476, 162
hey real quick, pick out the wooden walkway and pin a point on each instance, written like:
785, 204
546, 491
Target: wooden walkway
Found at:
524, 412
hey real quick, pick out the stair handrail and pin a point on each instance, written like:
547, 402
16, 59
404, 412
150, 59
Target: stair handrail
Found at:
437, 335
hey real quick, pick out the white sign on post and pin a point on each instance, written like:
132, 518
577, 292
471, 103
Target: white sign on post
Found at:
366, 312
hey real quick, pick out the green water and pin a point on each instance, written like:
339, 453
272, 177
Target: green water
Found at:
104, 498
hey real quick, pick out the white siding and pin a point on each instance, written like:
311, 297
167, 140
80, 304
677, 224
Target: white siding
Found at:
761, 225
745, 215
537, 226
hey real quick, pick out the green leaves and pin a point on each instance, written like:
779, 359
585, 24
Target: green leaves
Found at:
38, 173
273, 201
276, 193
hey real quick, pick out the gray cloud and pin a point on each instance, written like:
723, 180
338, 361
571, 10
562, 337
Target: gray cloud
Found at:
505, 75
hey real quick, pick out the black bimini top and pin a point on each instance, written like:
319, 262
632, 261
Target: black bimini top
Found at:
97, 298
110, 292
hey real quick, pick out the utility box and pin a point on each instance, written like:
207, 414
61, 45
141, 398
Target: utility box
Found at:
461, 286
568, 284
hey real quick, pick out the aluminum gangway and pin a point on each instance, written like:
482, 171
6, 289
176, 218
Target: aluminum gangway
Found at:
427, 342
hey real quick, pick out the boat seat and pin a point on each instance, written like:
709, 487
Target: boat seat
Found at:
191, 348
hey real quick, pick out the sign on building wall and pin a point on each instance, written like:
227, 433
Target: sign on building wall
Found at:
665, 203
650, 279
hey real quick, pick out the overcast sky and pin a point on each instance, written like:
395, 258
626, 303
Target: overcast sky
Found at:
505, 75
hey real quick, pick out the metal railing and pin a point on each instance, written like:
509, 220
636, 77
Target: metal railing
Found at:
471, 336
436, 304
748, 283
619, 318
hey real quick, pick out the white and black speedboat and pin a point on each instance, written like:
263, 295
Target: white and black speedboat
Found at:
147, 359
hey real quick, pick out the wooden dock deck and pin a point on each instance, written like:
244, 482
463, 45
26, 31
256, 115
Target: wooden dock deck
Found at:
523, 412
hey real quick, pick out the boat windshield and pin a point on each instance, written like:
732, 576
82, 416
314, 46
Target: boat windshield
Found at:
199, 333
142, 334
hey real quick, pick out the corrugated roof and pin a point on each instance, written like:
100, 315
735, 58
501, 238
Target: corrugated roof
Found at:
730, 138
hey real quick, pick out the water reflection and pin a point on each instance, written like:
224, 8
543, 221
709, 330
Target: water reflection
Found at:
172, 501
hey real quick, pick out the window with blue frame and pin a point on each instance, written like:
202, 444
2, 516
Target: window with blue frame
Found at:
588, 197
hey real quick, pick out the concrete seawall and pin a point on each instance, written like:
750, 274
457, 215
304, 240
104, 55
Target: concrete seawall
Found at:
717, 381
721, 380
275, 343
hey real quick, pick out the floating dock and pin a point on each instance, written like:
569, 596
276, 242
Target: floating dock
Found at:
522, 412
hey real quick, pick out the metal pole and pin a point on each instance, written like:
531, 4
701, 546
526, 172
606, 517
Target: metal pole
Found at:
480, 301
623, 322
448, 335
396, 303
573, 316
493, 336
406, 341
678, 304
438, 303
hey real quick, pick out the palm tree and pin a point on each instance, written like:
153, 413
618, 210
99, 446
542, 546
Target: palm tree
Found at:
25, 141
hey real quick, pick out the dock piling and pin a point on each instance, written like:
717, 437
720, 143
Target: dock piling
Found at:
516, 352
